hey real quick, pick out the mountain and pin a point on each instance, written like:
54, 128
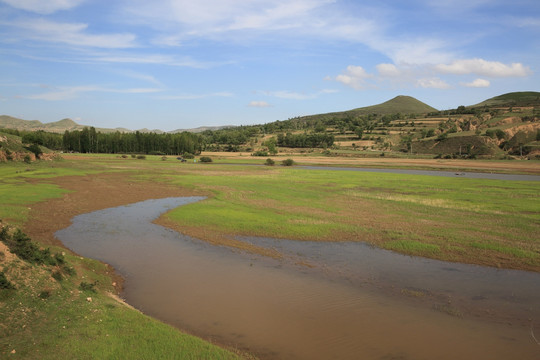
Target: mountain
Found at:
60, 126
400, 104
202, 128
523, 98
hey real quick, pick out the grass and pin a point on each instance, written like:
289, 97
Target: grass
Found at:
454, 219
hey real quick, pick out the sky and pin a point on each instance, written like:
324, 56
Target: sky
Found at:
180, 64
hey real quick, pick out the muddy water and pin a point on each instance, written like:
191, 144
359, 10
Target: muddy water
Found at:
351, 302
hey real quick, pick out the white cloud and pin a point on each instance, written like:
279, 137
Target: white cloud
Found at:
292, 95
196, 96
388, 70
484, 68
43, 6
68, 93
354, 76
69, 33
432, 83
478, 83
154, 59
259, 104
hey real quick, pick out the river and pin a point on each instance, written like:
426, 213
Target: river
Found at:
321, 301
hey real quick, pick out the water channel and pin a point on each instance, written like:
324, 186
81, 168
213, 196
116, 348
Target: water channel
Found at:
321, 301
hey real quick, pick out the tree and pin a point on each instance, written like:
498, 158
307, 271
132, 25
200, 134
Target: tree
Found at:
36, 150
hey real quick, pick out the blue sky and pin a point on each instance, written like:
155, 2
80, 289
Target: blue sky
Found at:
176, 64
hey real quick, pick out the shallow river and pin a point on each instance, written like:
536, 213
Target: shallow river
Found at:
322, 301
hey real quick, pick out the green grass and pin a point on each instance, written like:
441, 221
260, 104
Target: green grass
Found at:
420, 215
22, 184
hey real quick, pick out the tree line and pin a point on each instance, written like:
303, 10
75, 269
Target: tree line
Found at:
88, 140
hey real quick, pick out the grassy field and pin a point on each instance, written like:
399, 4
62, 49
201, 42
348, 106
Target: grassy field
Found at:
488, 222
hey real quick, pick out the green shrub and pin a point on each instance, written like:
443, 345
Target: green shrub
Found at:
141, 157
84, 286
269, 162
260, 153
288, 162
36, 150
22, 246
5, 283
187, 155
27, 159
205, 159
57, 275
45, 294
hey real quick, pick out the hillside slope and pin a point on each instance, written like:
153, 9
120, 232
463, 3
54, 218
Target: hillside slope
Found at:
523, 98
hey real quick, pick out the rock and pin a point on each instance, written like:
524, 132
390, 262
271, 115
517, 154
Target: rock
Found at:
89, 299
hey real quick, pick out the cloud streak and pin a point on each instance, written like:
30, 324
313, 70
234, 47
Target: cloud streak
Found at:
74, 34
69, 93
259, 104
44, 7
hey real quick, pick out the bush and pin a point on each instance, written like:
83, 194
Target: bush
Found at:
141, 157
57, 275
288, 162
27, 159
205, 159
260, 153
21, 245
45, 294
36, 150
442, 137
269, 162
5, 283
84, 286
188, 156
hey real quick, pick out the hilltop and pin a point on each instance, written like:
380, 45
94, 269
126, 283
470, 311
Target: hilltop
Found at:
525, 98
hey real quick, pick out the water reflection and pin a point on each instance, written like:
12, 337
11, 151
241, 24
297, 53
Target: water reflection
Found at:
354, 302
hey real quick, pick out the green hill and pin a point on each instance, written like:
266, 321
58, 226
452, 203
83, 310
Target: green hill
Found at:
524, 98
399, 104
